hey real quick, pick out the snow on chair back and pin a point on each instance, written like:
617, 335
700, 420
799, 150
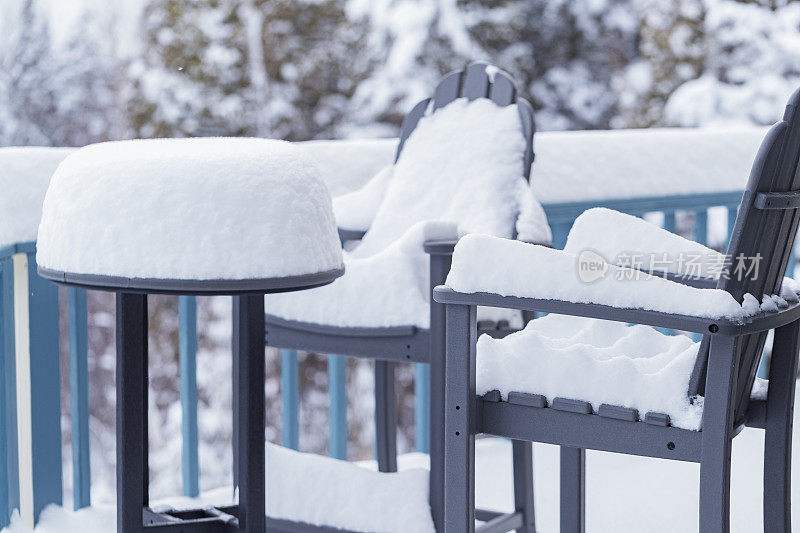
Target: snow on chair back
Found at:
478, 80
761, 242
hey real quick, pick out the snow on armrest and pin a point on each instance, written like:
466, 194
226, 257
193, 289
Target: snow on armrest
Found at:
626, 240
355, 210
512, 268
629, 241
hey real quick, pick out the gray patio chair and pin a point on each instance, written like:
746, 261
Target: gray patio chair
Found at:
724, 371
411, 344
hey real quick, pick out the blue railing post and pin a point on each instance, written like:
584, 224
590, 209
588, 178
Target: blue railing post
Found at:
79, 396
290, 399
669, 221
187, 346
38, 387
560, 229
9, 406
732, 212
422, 410
701, 226
337, 391
5, 331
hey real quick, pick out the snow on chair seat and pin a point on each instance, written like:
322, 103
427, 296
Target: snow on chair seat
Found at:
24, 178
462, 164
320, 491
594, 361
189, 209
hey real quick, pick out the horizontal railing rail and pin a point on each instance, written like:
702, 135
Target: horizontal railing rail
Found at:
30, 437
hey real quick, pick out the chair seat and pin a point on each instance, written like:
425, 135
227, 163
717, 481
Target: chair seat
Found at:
387, 290
595, 361
321, 491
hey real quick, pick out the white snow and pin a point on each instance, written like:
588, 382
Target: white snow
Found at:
347, 164
599, 165
301, 487
324, 491
596, 361
483, 263
760, 389
24, 176
211, 208
621, 494
391, 288
621, 238
626, 240
462, 165
355, 210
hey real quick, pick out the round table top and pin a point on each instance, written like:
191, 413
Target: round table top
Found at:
165, 213
206, 287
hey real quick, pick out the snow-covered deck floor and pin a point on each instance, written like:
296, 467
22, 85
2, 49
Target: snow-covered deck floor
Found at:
624, 493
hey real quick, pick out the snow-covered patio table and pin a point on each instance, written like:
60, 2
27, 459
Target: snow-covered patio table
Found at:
240, 217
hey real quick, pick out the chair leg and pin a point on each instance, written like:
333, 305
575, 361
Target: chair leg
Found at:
385, 417
778, 431
573, 490
460, 423
522, 453
715, 457
715, 491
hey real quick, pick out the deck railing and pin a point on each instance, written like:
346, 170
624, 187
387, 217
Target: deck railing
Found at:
30, 435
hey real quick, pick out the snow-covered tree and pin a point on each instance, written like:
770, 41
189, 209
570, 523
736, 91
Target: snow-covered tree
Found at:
752, 65
27, 95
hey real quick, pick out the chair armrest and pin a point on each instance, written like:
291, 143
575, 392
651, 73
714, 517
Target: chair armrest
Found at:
761, 321
440, 247
534, 278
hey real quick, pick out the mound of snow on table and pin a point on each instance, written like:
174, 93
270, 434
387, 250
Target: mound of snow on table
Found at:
215, 208
24, 178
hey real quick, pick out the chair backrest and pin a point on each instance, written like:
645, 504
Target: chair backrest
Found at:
462, 158
477, 80
761, 241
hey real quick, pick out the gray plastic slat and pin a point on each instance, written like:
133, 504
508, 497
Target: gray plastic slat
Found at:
447, 90
657, 419
528, 128
476, 82
572, 406
526, 399
492, 396
503, 92
551, 426
618, 412
778, 200
410, 122
501, 524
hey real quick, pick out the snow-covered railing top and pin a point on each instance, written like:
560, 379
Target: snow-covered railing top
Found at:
24, 176
626, 164
348, 164
576, 166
